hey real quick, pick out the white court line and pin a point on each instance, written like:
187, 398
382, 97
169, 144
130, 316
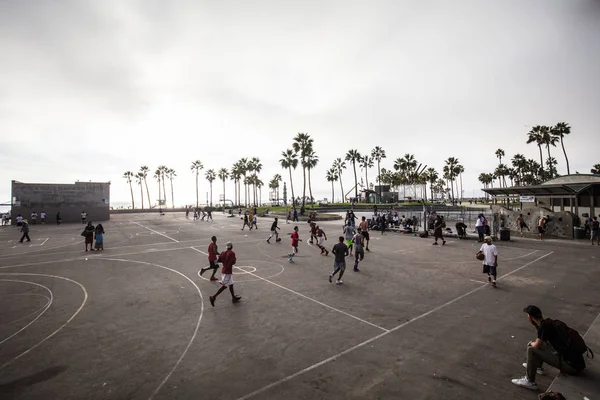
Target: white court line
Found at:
588, 331
197, 324
338, 355
44, 241
85, 297
45, 308
306, 297
158, 233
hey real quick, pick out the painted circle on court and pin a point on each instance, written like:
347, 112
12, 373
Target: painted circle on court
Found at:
250, 273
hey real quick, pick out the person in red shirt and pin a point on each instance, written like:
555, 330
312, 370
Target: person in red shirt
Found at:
227, 258
213, 254
295, 240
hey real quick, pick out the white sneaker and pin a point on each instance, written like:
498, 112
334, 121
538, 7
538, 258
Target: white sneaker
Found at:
338, 282
540, 371
526, 383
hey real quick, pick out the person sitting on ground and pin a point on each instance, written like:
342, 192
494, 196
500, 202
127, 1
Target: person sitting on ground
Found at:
550, 348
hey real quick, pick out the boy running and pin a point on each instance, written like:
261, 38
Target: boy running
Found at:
227, 258
359, 254
254, 222
349, 231
274, 232
321, 238
213, 254
364, 229
339, 265
295, 240
490, 262
313, 232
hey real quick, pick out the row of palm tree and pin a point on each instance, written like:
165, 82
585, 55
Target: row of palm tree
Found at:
548, 136
140, 177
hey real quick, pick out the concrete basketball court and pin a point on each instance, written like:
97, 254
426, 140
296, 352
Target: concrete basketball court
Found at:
134, 321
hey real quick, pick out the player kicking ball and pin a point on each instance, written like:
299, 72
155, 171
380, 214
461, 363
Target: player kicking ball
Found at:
227, 258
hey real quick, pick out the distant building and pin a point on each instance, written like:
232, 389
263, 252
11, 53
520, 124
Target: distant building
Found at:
68, 199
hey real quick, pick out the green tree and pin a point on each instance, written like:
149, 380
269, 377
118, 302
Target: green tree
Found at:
302, 147
354, 156
559, 131
196, 167
595, 169
378, 154
139, 179
223, 175
499, 153
339, 166
366, 162
312, 159
128, 175
171, 175
210, 176
432, 177
163, 171
158, 176
450, 173
289, 162
535, 135
144, 172
519, 163
332, 176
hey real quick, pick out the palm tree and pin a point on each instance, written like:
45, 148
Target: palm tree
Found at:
366, 162
210, 177
303, 146
276, 179
236, 176
332, 176
223, 175
197, 166
289, 162
551, 163
139, 179
256, 168
171, 175
406, 166
536, 136
354, 156
340, 165
432, 177
311, 160
128, 175
244, 169
519, 162
163, 170
157, 176
378, 154
548, 140
259, 184
450, 173
560, 130
595, 169
459, 171
144, 172
499, 153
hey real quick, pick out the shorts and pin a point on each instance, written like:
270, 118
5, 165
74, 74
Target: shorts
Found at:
348, 242
359, 253
227, 280
540, 230
294, 250
339, 266
89, 239
489, 269
365, 235
321, 240
594, 234
213, 264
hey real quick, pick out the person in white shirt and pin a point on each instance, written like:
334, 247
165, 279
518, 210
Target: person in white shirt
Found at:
83, 217
480, 227
34, 218
19, 220
43, 217
490, 261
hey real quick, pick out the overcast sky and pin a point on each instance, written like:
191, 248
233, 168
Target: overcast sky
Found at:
90, 89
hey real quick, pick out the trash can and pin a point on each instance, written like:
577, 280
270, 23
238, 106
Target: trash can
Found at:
578, 232
505, 234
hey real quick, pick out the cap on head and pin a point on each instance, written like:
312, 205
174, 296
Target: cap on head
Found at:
533, 311
229, 245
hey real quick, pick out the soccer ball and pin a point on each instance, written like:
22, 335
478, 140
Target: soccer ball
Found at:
278, 240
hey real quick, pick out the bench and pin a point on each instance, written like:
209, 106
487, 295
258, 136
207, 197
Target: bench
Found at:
586, 385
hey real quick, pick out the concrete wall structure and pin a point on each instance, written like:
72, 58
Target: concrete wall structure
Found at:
560, 224
68, 199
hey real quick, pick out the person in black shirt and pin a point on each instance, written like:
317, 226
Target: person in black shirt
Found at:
542, 350
88, 234
274, 232
339, 265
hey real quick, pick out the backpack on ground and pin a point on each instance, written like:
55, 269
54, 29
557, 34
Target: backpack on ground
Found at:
571, 345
